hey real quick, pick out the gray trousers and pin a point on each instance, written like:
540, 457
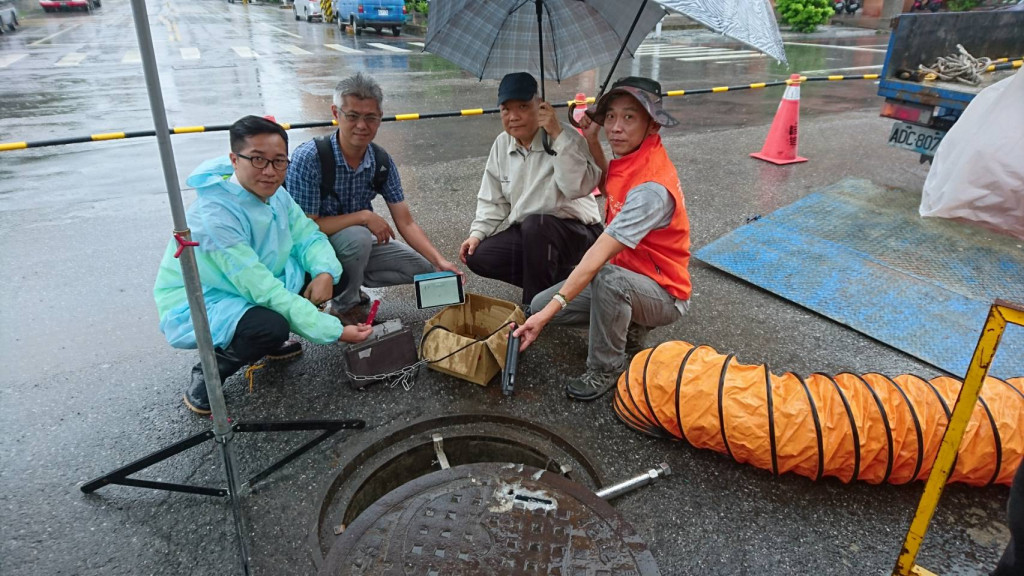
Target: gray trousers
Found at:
367, 263
613, 299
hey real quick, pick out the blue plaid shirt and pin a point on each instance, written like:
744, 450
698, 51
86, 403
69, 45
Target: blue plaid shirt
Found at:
352, 190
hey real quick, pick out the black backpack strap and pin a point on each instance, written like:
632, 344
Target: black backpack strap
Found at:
328, 165
382, 170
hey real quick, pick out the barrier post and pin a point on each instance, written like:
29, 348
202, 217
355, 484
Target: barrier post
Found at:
999, 315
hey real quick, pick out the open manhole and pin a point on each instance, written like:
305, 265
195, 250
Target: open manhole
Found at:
411, 453
489, 519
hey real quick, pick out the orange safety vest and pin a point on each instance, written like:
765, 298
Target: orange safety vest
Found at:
664, 254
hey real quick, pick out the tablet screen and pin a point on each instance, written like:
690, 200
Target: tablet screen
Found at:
443, 291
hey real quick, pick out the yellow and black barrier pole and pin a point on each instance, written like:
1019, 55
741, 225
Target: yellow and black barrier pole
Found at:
999, 315
9, 146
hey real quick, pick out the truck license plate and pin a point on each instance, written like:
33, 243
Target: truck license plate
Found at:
910, 137
382, 12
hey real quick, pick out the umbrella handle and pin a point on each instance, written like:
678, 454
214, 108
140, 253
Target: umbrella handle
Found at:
547, 143
572, 117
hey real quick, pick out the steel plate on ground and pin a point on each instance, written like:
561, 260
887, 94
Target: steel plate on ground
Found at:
860, 255
490, 519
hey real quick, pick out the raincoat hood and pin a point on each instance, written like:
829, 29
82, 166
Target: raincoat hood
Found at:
214, 174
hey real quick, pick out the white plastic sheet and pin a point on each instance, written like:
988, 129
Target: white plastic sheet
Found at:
978, 171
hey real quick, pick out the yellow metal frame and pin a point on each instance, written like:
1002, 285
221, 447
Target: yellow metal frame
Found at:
1001, 314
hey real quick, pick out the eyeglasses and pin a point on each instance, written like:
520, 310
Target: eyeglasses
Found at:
353, 118
260, 163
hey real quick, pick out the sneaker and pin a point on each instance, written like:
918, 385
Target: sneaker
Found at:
635, 336
354, 315
591, 385
289, 349
195, 396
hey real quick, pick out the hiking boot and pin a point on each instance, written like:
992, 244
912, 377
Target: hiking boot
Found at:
289, 349
635, 336
195, 396
591, 385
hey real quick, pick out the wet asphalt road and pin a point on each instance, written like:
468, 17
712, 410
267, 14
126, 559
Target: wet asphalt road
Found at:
89, 383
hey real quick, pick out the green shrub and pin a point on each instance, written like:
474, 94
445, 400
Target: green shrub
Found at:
962, 5
805, 15
421, 6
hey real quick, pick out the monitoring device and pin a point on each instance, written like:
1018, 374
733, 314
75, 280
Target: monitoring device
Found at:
438, 289
508, 375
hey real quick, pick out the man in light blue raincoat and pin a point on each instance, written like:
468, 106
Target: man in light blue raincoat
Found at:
264, 266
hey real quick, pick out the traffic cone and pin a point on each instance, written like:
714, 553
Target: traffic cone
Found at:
577, 113
780, 145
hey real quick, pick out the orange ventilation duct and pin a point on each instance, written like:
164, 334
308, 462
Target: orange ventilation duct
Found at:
868, 427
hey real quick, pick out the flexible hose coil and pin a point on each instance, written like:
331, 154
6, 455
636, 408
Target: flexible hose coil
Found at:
854, 427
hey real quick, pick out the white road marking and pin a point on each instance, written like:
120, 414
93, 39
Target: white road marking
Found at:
418, 44
55, 34
131, 57
387, 47
832, 70
73, 59
245, 52
855, 48
668, 49
282, 31
296, 50
721, 57
8, 59
190, 53
344, 49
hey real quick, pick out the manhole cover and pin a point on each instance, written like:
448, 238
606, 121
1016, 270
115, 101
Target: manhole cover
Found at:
490, 519
408, 453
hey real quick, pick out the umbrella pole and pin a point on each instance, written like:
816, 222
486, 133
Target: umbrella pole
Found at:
621, 49
190, 272
540, 42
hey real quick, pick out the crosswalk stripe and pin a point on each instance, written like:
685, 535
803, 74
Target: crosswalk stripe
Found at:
680, 53
387, 47
656, 49
276, 29
73, 59
857, 48
831, 70
190, 53
344, 49
8, 59
721, 57
245, 52
418, 44
131, 57
296, 50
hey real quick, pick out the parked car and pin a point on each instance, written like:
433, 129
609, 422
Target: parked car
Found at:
8, 16
376, 14
58, 5
310, 10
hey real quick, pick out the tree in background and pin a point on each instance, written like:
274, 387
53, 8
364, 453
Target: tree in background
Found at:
805, 15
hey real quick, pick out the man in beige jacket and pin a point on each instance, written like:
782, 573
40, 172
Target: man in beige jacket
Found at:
546, 198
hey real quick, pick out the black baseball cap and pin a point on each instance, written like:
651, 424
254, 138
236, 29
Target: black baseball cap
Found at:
517, 86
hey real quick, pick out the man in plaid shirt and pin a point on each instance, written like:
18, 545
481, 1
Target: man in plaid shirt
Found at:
362, 239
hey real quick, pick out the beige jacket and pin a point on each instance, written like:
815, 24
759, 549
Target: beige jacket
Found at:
519, 182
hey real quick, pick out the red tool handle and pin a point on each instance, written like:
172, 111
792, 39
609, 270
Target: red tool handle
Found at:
373, 312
